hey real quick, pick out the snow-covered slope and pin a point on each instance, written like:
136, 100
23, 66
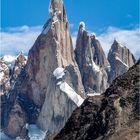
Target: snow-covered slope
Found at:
77, 99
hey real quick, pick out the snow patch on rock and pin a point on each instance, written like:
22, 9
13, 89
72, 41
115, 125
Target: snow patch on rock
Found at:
59, 73
9, 58
95, 67
77, 99
117, 58
93, 94
34, 133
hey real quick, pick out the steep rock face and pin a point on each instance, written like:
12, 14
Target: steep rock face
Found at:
10, 68
113, 115
120, 59
53, 49
92, 61
43, 96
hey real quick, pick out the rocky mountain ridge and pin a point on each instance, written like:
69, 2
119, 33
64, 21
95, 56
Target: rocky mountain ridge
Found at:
92, 61
56, 79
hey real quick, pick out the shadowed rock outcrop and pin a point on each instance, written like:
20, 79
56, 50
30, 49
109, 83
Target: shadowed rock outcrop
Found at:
113, 115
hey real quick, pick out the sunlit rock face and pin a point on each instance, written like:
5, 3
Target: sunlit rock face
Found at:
92, 61
43, 97
120, 59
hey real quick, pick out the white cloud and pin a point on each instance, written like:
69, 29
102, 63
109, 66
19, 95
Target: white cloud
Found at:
17, 39
130, 38
74, 37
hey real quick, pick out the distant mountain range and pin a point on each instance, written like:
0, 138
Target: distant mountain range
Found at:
41, 91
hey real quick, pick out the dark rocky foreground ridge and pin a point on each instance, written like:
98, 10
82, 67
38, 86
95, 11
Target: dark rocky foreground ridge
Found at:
112, 116
56, 79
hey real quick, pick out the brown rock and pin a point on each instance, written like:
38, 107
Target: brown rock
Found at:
36, 86
115, 115
19, 65
16, 121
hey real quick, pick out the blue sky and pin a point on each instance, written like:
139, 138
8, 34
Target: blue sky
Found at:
98, 14
101, 16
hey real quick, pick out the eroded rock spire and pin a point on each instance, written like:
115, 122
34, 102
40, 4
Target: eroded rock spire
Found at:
38, 92
91, 60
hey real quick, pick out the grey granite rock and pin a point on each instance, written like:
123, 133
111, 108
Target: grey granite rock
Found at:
120, 59
92, 61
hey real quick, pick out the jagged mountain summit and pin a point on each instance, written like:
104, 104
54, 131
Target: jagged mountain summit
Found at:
120, 59
111, 116
49, 87
10, 67
92, 62
55, 80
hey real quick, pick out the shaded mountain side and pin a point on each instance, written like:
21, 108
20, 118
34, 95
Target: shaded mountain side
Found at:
113, 115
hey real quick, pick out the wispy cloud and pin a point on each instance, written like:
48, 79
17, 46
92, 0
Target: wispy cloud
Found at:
130, 38
16, 39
